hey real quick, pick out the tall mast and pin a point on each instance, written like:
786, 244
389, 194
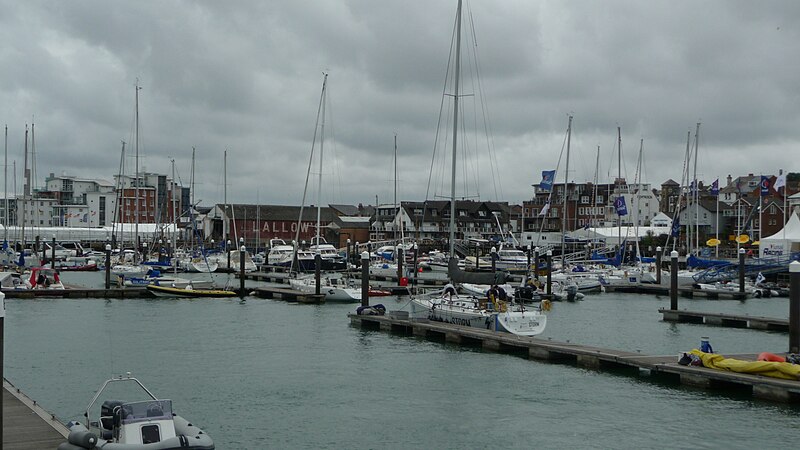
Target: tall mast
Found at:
136, 176
5, 189
696, 193
321, 143
191, 211
618, 188
396, 209
594, 193
455, 134
565, 220
174, 217
26, 190
225, 231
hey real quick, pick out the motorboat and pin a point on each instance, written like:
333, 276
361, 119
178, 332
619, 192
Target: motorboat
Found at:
139, 425
154, 276
188, 291
331, 259
44, 278
334, 286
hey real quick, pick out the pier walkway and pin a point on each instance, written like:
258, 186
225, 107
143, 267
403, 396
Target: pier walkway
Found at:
656, 366
725, 320
26, 425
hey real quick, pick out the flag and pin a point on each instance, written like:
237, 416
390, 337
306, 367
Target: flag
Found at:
760, 278
764, 185
780, 181
548, 176
676, 227
545, 209
619, 205
715, 188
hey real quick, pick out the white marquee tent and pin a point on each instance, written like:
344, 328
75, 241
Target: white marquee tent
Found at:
784, 242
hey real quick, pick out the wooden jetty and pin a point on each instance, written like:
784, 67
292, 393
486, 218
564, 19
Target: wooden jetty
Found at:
26, 425
128, 292
290, 295
657, 367
725, 320
686, 291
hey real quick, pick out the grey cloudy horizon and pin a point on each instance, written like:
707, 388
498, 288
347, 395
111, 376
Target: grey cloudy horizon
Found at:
245, 76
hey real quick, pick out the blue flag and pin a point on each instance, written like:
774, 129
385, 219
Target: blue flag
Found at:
676, 227
619, 205
548, 176
715, 188
765, 184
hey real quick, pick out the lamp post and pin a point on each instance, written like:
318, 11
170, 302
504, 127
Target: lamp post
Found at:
108, 266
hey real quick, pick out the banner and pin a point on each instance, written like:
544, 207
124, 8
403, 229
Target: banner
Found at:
548, 176
715, 188
619, 205
764, 185
676, 227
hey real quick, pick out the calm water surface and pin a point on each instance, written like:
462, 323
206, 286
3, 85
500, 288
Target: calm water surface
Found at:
268, 374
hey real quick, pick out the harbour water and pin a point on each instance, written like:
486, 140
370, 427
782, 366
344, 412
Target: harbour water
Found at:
269, 374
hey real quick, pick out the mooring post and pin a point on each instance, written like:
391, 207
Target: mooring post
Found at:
416, 268
529, 259
2, 356
536, 263
108, 266
399, 255
365, 279
35, 247
53, 254
741, 270
317, 269
242, 251
347, 254
494, 259
228, 251
354, 258
794, 307
658, 265
673, 281
160, 251
549, 272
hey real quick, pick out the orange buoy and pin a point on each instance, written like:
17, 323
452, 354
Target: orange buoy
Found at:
767, 356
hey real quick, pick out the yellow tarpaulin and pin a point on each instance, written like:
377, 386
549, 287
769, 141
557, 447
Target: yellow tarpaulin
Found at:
785, 370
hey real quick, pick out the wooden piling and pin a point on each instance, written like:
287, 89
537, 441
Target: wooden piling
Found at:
794, 307
741, 270
364, 279
673, 281
658, 265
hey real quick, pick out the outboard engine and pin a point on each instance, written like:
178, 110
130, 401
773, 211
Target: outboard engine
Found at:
572, 291
524, 293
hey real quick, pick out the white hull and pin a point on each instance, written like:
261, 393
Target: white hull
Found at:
332, 293
466, 312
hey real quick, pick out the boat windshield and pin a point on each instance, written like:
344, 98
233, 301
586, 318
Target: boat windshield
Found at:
146, 410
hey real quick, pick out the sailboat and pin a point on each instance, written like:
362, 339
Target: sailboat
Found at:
334, 286
467, 310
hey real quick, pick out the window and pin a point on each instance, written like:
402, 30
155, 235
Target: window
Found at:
150, 434
584, 199
599, 200
462, 213
482, 213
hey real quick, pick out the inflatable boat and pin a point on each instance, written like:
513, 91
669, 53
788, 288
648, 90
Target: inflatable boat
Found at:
140, 425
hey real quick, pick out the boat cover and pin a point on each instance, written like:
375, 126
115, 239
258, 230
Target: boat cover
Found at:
784, 370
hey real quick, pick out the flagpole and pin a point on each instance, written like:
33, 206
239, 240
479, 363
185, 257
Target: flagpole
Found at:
760, 225
780, 173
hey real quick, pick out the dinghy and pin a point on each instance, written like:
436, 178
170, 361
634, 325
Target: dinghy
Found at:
139, 425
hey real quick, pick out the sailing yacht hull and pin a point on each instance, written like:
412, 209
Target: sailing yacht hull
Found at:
466, 312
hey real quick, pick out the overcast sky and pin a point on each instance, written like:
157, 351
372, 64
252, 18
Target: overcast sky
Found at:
246, 76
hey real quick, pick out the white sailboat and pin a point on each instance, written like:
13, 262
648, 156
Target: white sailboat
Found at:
469, 310
335, 288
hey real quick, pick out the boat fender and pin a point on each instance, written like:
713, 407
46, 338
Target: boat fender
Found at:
757, 293
766, 356
82, 438
546, 305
